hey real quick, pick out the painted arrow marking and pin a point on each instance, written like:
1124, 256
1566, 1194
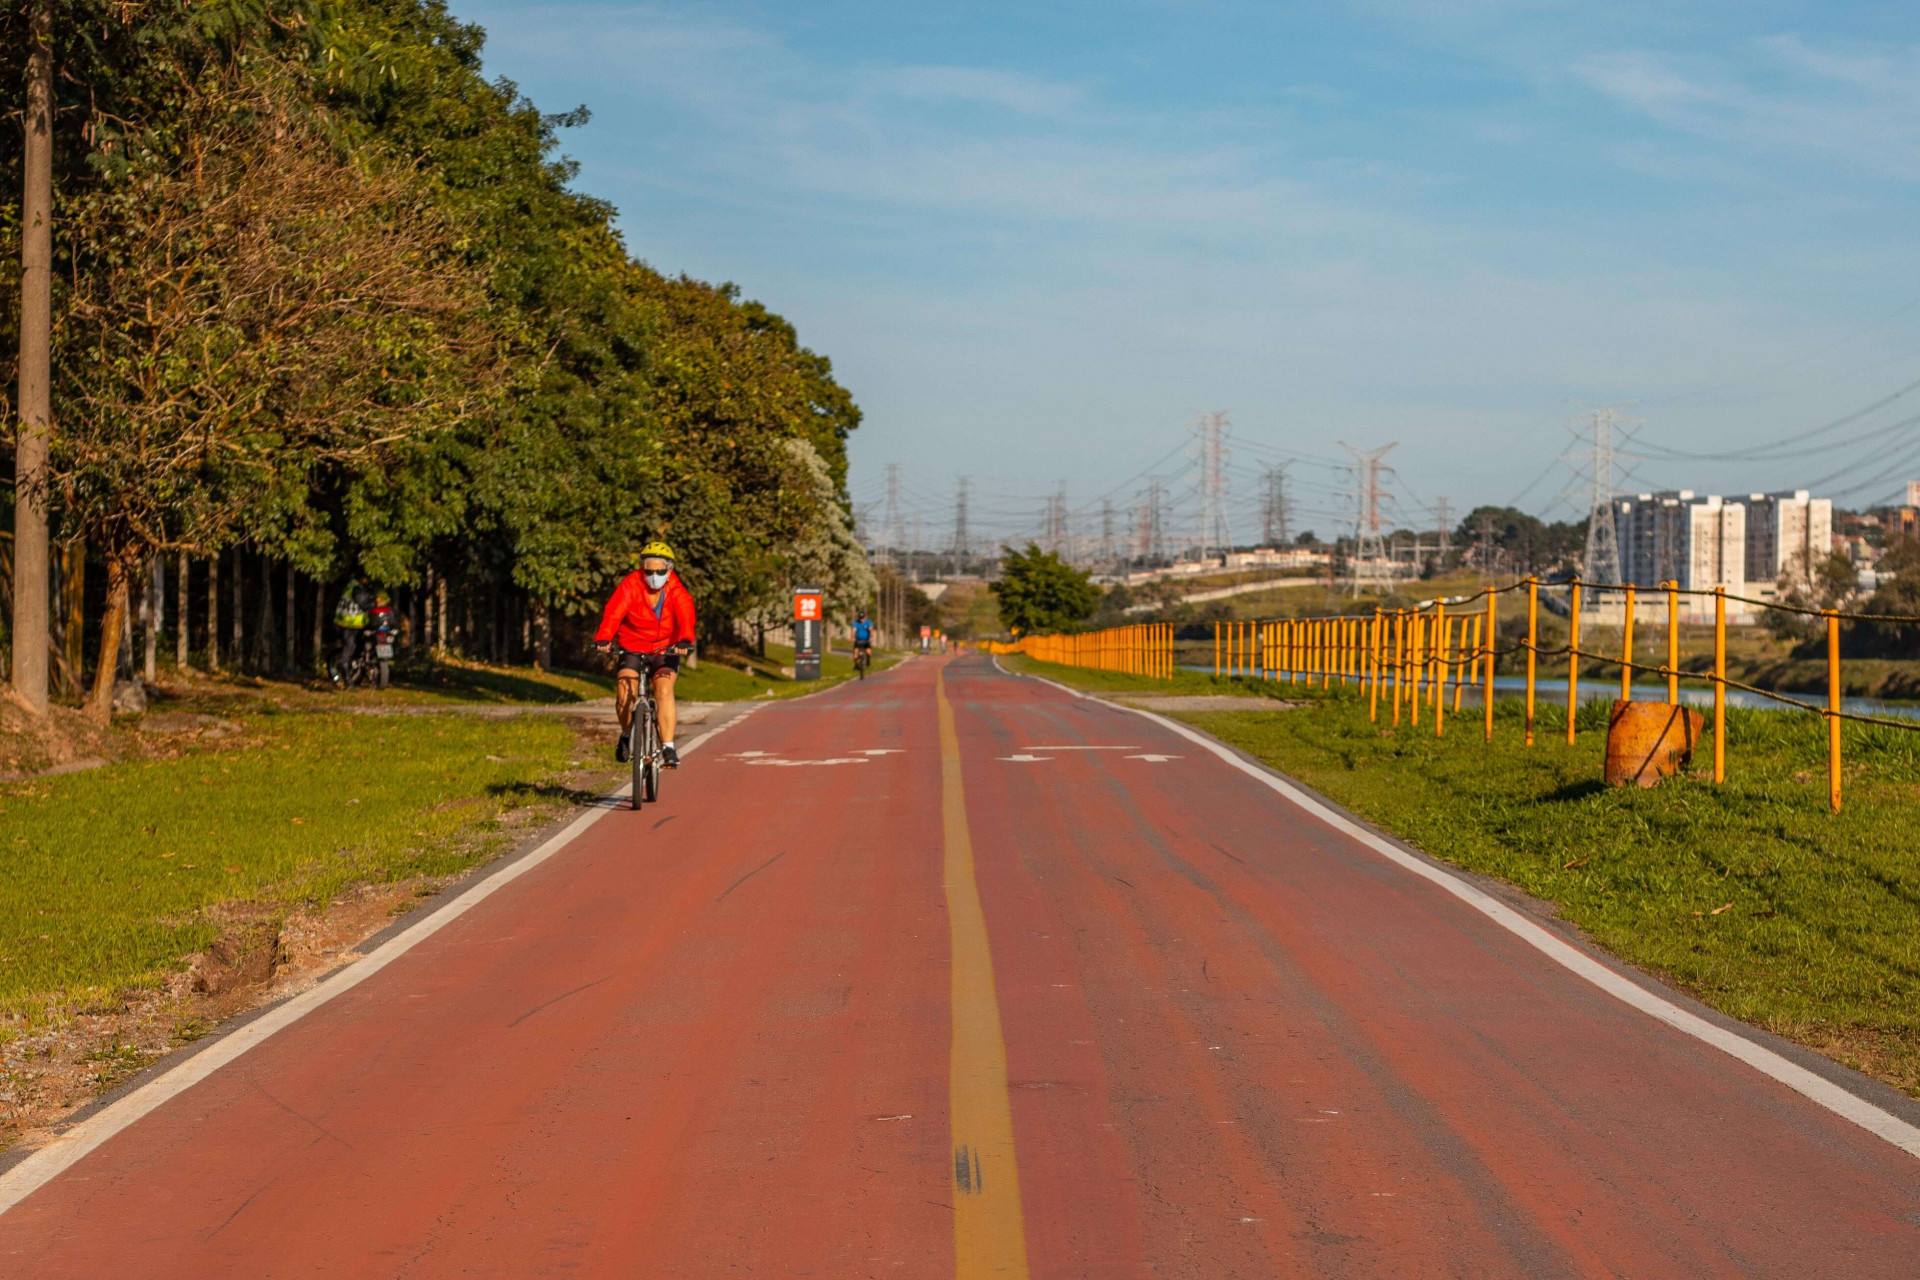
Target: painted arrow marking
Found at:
1156, 759
774, 760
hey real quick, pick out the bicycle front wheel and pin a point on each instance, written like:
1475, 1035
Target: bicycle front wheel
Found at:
640, 745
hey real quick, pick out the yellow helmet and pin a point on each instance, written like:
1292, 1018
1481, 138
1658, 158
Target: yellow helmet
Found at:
657, 548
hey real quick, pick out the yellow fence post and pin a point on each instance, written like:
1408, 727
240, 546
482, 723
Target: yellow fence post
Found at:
1440, 630
1626, 650
1533, 645
1373, 661
1573, 655
1720, 684
1216, 650
1673, 642
1399, 659
1416, 668
1493, 606
1833, 709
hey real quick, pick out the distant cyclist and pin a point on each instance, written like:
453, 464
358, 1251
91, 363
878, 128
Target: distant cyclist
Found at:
862, 635
650, 615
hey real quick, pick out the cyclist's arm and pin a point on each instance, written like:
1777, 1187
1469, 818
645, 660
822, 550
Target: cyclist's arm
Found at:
616, 611
683, 617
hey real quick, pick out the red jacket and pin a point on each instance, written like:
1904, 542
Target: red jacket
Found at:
630, 619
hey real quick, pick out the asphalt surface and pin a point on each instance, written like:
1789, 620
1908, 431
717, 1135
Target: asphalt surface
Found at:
948, 973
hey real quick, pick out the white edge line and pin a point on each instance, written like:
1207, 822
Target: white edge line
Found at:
50, 1161
1808, 1084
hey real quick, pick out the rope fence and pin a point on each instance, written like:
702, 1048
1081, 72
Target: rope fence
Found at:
1409, 656
1143, 649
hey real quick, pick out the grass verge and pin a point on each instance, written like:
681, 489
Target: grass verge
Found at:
1749, 895
111, 876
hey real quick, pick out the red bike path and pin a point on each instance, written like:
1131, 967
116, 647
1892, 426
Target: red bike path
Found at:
740, 1033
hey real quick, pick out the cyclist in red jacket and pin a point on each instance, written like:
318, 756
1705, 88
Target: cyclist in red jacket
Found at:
650, 617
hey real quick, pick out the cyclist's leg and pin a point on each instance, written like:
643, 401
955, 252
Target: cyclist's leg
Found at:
663, 702
625, 693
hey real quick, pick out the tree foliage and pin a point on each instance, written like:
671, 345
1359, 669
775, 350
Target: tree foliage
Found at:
1040, 592
327, 292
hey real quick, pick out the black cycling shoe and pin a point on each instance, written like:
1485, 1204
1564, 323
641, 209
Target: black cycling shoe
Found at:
623, 750
670, 757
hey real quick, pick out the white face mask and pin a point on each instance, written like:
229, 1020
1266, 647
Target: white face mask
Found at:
655, 580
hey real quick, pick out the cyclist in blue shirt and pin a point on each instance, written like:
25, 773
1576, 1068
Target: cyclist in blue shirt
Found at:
862, 636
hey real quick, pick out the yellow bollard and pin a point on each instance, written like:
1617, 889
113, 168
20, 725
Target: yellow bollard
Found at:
1719, 684
1216, 651
1673, 643
1573, 655
1441, 628
1533, 645
1833, 709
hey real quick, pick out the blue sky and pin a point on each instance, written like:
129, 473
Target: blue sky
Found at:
1037, 240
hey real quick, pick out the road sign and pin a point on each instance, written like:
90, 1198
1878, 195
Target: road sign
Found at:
809, 620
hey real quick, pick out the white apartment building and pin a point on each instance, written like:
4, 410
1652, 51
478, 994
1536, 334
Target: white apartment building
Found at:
1788, 536
1678, 536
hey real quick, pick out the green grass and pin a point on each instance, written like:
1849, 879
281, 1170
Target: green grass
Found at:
1817, 935
109, 875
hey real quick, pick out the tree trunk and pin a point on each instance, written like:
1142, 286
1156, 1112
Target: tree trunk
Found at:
292, 658
213, 612
180, 613
542, 636
317, 666
153, 614
100, 704
263, 647
32, 569
236, 649
73, 579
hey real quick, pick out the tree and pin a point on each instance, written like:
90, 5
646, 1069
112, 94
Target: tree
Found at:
262, 307
1040, 592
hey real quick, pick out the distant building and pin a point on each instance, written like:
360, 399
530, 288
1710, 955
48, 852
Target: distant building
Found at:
1788, 535
1677, 536
1913, 493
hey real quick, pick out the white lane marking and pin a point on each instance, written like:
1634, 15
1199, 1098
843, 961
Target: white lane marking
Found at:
1024, 759
1808, 1084
1135, 748
789, 764
61, 1154
882, 751
1152, 759
748, 755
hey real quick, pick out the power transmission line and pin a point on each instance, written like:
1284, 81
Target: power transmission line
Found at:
1371, 567
1215, 533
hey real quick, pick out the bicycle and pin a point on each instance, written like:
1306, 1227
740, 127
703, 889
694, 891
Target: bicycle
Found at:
643, 736
862, 659
372, 663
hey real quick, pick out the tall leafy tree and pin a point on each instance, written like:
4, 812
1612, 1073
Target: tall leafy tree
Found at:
1040, 592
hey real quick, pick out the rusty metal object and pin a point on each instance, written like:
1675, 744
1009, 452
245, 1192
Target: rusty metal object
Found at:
1648, 741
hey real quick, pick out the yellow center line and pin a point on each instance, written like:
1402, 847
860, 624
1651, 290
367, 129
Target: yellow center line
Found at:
989, 1238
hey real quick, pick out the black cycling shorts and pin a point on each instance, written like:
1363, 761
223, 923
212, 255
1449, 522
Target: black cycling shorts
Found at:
648, 663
